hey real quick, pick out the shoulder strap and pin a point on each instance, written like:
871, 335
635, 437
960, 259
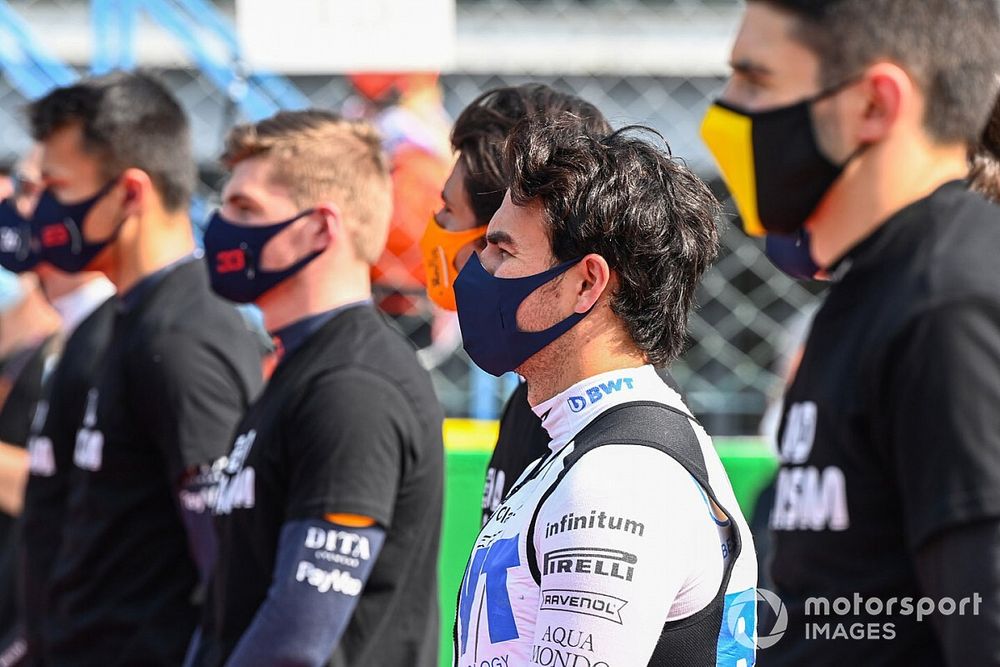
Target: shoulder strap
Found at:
649, 424
669, 430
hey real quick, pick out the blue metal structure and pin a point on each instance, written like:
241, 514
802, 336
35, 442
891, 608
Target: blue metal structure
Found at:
209, 40
29, 67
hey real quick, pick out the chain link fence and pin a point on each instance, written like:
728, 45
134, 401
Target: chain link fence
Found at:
740, 333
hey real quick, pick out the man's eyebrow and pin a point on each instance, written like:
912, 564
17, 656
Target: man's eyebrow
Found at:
496, 238
749, 67
240, 198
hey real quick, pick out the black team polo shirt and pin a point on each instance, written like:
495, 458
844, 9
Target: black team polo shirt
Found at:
180, 369
348, 424
890, 434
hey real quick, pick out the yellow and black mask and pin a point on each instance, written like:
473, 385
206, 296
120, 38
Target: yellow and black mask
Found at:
771, 163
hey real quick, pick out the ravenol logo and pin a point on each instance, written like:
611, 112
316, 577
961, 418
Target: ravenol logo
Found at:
598, 392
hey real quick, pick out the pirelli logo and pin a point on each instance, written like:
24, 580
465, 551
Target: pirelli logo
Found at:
613, 563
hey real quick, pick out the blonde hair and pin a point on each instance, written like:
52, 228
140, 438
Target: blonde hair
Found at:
318, 155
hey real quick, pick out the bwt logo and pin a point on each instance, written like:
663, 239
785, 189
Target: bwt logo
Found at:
598, 392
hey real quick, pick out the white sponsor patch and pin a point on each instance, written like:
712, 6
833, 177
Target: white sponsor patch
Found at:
328, 580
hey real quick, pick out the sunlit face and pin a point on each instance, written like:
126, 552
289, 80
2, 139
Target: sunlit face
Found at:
770, 68
517, 245
456, 215
252, 198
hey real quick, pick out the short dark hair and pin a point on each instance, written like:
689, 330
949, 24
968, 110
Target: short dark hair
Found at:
625, 198
950, 47
128, 120
481, 128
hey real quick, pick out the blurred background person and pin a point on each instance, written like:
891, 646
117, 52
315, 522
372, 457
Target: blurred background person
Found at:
408, 111
137, 541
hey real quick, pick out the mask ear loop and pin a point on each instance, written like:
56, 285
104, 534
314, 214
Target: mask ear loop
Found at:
76, 229
830, 92
253, 268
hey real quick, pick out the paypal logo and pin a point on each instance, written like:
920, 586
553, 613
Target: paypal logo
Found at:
598, 392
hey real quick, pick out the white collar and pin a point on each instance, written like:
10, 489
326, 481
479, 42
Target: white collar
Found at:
75, 306
565, 414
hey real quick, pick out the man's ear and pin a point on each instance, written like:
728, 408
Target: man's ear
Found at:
331, 229
594, 276
889, 94
137, 190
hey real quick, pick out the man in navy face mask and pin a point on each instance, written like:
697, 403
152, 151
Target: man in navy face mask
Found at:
155, 411
329, 506
852, 120
624, 545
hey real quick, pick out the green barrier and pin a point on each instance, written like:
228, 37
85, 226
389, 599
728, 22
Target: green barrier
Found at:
468, 444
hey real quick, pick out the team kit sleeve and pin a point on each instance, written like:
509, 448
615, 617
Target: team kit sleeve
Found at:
944, 434
189, 399
624, 543
345, 452
320, 571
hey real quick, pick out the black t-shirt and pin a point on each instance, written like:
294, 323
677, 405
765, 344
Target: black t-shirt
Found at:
520, 442
51, 447
890, 433
348, 424
23, 374
180, 368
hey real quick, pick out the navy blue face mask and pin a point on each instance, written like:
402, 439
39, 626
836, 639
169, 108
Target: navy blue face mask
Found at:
791, 254
487, 315
233, 253
18, 244
60, 231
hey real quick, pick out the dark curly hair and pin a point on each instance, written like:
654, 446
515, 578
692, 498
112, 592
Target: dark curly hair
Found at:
984, 174
625, 198
481, 128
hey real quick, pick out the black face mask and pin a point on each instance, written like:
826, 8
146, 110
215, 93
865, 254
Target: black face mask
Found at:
772, 163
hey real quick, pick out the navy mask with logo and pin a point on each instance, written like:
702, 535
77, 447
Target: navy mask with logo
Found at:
487, 315
60, 231
18, 243
233, 253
